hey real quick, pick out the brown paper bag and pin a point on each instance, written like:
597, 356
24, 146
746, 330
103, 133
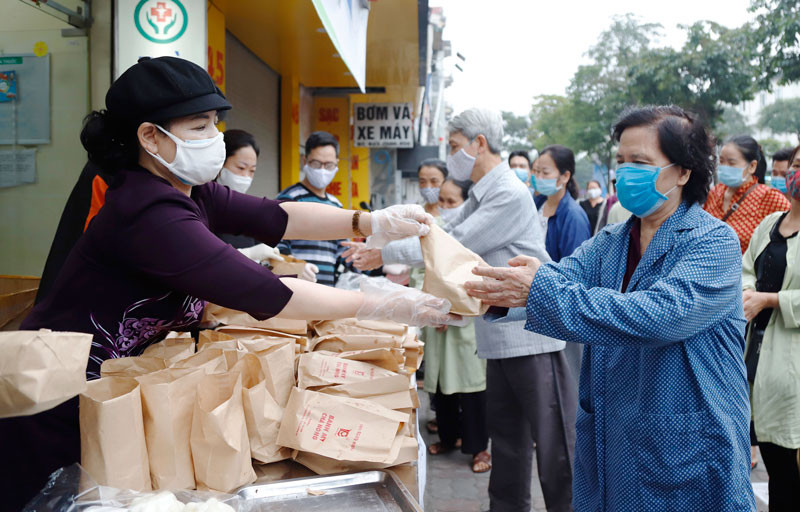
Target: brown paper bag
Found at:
171, 350
391, 359
404, 448
315, 370
168, 398
211, 361
41, 369
278, 365
413, 350
262, 413
391, 392
291, 266
355, 326
283, 470
339, 428
220, 446
113, 449
131, 366
448, 265
239, 332
209, 336
348, 342
214, 314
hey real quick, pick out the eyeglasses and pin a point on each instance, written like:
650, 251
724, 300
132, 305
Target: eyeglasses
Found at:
316, 164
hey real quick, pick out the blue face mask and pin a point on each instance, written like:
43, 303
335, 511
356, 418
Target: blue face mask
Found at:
546, 187
636, 188
730, 176
779, 182
522, 174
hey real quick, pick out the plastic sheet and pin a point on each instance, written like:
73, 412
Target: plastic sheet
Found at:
72, 489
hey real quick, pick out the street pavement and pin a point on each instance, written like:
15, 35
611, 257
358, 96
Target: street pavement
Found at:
453, 487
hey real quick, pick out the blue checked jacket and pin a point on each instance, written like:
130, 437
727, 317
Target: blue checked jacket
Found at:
664, 413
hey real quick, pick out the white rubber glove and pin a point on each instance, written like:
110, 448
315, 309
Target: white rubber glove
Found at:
396, 222
309, 273
261, 253
384, 300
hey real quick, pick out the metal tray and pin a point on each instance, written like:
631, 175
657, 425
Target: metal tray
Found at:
378, 491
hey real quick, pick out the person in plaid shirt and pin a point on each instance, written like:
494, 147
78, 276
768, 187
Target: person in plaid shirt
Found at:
742, 199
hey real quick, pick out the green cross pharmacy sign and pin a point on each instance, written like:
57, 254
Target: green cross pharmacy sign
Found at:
160, 21
159, 28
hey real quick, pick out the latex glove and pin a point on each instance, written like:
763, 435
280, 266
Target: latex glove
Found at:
384, 300
396, 222
309, 273
261, 253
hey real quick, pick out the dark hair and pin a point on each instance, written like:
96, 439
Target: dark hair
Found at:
523, 154
238, 139
751, 150
594, 181
463, 185
783, 154
434, 162
683, 138
320, 139
565, 161
111, 141
793, 155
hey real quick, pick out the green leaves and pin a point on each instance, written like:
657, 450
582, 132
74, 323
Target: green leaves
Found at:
783, 116
717, 66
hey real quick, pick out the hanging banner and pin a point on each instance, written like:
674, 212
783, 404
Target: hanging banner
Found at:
383, 125
157, 28
346, 24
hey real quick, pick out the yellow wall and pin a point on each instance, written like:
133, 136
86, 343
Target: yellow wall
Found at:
29, 213
332, 115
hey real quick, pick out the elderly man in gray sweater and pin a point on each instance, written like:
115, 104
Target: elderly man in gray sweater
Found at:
530, 392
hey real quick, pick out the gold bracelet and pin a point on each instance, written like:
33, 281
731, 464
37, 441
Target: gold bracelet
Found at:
356, 228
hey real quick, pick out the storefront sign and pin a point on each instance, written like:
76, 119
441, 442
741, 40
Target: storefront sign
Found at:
383, 125
156, 28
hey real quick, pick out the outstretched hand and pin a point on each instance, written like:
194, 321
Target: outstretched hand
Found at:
505, 286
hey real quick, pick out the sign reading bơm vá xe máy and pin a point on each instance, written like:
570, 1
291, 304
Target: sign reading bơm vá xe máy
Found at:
383, 125
157, 28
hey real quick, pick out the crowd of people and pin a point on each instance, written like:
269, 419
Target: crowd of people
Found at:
630, 335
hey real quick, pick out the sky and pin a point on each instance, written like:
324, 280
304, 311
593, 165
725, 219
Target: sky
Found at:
518, 49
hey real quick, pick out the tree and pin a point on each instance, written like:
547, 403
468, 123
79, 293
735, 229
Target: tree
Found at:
599, 92
714, 67
771, 146
776, 38
731, 123
515, 136
783, 116
551, 121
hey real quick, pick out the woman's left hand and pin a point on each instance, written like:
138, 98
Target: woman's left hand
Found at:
754, 302
505, 286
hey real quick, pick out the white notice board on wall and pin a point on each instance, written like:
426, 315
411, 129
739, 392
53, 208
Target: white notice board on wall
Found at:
26, 120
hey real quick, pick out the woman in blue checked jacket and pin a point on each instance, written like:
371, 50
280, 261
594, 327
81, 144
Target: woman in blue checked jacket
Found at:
664, 414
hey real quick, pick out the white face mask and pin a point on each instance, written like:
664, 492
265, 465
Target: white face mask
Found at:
430, 194
319, 178
196, 161
460, 165
448, 214
594, 193
234, 181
